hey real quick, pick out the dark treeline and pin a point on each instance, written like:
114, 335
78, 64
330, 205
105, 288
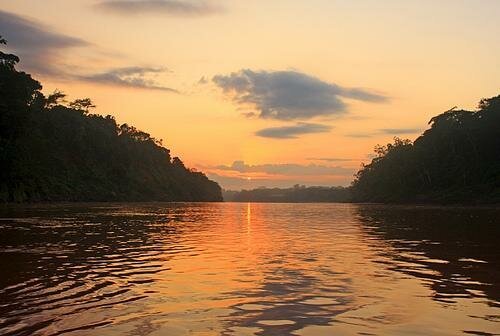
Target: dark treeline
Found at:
52, 151
296, 194
456, 160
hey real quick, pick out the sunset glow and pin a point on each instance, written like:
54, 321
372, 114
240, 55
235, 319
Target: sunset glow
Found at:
323, 81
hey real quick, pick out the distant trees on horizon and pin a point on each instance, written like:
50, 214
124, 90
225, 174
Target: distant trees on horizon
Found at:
52, 150
295, 194
456, 160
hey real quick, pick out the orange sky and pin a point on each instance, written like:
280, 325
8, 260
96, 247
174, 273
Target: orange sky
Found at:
407, 61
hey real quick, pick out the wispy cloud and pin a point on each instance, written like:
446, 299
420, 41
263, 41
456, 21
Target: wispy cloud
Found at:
385, 131
287, 169
362, 134
396, 131
163, 7
328, 159
240, 175
135, 77
290, 95
238, 183
46, 52
292, 132
39, 47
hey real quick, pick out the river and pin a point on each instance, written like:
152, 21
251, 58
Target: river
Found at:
249, 269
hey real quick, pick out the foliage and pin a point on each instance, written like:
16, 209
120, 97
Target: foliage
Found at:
296, 194
456, 160
52, 152
83, 105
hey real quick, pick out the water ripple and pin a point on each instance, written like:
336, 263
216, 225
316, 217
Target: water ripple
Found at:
248, 269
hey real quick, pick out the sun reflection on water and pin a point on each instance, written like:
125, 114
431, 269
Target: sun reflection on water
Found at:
248, 269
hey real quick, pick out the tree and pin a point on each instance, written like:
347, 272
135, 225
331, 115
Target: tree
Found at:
7, 60
55, 98
82, 105
456, 160
53, 152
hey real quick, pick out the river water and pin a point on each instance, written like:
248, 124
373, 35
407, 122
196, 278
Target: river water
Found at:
249, 269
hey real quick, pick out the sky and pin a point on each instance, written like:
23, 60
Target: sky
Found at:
264, 92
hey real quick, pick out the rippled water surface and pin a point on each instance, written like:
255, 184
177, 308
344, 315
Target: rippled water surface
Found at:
249, 269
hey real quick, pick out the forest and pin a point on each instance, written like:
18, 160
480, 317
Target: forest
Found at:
295, 194
456, 160
53, 150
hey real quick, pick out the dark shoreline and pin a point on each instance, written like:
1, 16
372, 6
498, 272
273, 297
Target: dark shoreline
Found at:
111, 203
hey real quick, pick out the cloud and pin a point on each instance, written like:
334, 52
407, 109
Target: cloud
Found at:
240, 175
203, 80
287, 169
43, 52
396, 131
362, 135
165, 7
289, 95
135, 77
38, 46
327, 159
385, 131
292, 132
238, 183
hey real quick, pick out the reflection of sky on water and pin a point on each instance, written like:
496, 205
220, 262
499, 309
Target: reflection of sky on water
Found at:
248, 269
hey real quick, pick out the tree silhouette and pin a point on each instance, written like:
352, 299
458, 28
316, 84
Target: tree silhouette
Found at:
55, 98
84, 105
456, 160
53, 152
7, 60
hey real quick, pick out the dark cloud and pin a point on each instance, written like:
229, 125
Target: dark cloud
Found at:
292, 132
135, 77
165, 7
39, 47
249, 114
363, 95
287, 169
289, 95
43, 52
